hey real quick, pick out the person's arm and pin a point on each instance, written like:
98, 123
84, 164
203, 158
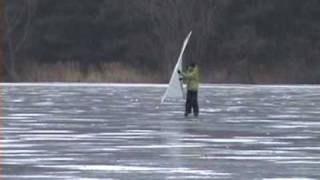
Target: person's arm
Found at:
189, 75
181, 78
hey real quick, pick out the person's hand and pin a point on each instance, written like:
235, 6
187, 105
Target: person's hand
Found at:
179, 72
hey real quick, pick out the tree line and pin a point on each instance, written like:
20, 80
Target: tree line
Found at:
234, 41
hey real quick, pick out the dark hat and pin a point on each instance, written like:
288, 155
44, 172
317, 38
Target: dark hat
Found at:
192, 64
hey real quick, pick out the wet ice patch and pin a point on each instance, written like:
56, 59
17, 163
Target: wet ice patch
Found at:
315, 162
235, 108
19, 100
35, 160
27, 115
211, 110
287, 126
167, 146
253, 152
139, 169
43, 103
236, 140
285, 116
292, 178
295, 137
15, 117
243, 140
316, 148
268, 158
35, 177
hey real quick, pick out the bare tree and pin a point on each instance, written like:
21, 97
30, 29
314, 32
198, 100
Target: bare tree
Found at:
2, 28
172, 20
17, 17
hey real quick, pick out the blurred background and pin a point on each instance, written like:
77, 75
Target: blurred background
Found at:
138, 41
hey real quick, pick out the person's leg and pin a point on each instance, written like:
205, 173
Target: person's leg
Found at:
195, 105
188, 103
191, 100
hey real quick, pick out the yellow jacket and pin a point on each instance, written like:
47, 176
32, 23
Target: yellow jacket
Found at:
191, 78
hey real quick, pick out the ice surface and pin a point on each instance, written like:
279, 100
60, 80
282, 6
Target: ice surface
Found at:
120, 131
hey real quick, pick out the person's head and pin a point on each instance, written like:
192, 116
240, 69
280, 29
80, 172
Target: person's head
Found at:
192, 65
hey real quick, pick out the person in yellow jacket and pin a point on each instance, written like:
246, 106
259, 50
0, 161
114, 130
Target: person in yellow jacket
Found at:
191, 78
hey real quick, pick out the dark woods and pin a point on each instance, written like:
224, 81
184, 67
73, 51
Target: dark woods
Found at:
234, 41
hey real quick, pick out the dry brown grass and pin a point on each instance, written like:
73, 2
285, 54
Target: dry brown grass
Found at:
72, 72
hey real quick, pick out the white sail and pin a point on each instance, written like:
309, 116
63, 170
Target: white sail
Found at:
175, 87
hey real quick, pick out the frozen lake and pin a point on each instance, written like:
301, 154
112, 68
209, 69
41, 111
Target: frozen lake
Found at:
92, 131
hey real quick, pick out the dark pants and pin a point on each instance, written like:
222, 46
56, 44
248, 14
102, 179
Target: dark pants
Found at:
192, 103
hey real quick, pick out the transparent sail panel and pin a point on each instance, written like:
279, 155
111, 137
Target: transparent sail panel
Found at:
175, 87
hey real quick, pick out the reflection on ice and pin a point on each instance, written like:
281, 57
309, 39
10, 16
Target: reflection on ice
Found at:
27, 115
35, 160
293, 178
140, 169
44, 104
316, 162
268, 158
288, 126
185, 145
